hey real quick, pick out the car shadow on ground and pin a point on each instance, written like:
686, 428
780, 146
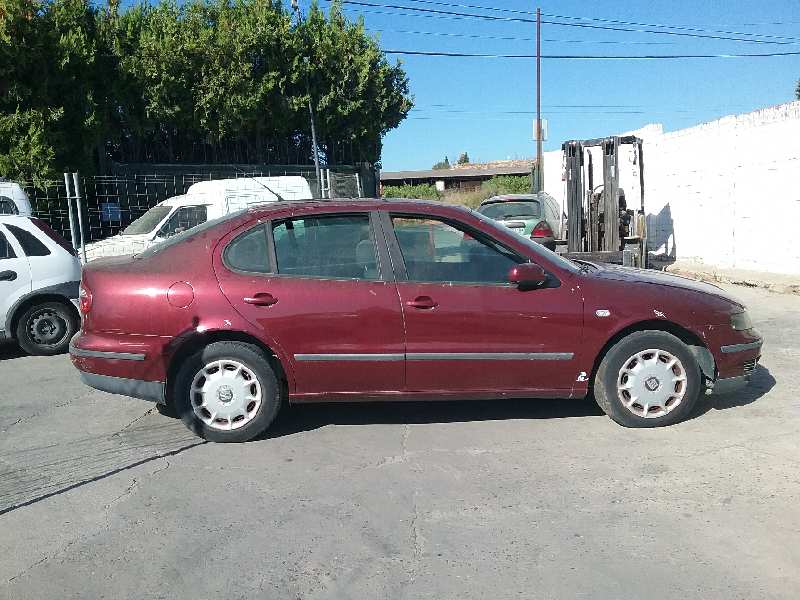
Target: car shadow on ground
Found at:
760, 384
307, 417
10, 350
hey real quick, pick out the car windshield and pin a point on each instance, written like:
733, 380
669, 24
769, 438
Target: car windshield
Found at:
187, 234
148, 221
512, 210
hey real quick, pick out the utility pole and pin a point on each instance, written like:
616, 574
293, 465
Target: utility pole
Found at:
539, 183
315, 148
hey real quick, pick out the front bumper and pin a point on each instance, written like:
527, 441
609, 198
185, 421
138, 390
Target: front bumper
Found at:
740, 362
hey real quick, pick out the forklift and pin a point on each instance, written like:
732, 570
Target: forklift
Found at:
599, 225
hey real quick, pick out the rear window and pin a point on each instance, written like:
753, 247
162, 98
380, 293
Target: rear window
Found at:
30, 245
53, 235
502, 211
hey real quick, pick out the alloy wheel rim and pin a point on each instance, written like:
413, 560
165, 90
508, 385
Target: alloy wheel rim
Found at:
225, 395
47, 328
652, 383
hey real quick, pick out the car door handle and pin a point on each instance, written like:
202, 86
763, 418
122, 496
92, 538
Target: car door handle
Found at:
261, 299
422, 302
8, 275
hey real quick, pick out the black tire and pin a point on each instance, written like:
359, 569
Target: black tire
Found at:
254, 359
609, 373
45, 329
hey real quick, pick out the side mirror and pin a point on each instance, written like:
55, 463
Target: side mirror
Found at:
527, 276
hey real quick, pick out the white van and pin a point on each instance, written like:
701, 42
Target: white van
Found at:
203, 201
13, 199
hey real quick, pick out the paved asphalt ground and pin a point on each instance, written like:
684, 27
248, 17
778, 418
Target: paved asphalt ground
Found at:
102, 497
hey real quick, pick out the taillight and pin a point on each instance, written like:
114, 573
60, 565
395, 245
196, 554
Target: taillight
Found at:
542, 229
85, 299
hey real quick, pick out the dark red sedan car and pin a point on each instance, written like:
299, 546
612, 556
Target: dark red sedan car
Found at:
386, 300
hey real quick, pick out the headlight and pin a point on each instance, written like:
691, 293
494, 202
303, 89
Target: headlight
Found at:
741, 321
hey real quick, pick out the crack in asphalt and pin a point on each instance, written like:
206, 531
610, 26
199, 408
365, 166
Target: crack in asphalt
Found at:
415, 539
137, 419
100, 477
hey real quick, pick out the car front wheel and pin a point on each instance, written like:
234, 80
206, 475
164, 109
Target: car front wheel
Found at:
648, 379
227, 392
45, 329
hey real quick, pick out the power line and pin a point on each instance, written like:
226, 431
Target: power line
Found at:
597, 19
589, 56
519, 39
453, 15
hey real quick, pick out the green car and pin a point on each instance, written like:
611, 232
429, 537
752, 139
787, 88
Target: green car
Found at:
532, 215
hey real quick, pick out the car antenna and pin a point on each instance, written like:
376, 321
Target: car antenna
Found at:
264, 185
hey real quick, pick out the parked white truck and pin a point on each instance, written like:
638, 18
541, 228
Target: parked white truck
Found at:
13, 199
203, 201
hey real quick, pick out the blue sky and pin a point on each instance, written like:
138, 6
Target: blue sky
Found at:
467, 104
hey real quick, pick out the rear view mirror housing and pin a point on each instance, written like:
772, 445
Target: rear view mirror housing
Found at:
527, 276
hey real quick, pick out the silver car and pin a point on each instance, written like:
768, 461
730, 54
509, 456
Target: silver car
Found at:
531, 215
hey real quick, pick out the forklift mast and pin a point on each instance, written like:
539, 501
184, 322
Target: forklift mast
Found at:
599, 224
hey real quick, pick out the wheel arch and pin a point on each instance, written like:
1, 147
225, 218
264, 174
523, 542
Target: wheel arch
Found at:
24, 303
696, 345
191, 344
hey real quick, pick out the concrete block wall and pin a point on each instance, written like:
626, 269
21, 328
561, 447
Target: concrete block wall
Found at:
725, 193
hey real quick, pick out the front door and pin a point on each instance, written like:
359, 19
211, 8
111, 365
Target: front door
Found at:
467, 328
325, 298
15, 275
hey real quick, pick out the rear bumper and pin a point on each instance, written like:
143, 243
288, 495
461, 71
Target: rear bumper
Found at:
121, 364
144, 390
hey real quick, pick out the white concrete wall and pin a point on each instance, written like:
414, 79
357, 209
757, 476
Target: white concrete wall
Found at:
724, 193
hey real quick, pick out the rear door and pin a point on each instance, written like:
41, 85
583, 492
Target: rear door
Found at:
320, 286
467, 328
15, 275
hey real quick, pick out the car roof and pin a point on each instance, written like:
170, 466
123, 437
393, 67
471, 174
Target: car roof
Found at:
359, 204
12, 218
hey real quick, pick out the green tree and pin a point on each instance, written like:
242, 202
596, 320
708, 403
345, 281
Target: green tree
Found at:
463, 159
204, 80
442, 164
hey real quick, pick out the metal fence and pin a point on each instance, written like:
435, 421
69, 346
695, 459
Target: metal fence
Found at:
111, 202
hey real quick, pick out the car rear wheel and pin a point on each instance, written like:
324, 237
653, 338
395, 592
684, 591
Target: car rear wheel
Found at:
227, 392
45, 329
648, 379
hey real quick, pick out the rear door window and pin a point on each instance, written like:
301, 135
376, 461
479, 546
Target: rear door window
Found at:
6, 251
248, 252
327, 246
30, 244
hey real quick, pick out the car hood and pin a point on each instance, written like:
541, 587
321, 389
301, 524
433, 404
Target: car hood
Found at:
634, 275
118, 245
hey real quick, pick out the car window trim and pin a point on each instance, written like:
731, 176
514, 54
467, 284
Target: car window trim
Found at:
401, 273
381, 257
